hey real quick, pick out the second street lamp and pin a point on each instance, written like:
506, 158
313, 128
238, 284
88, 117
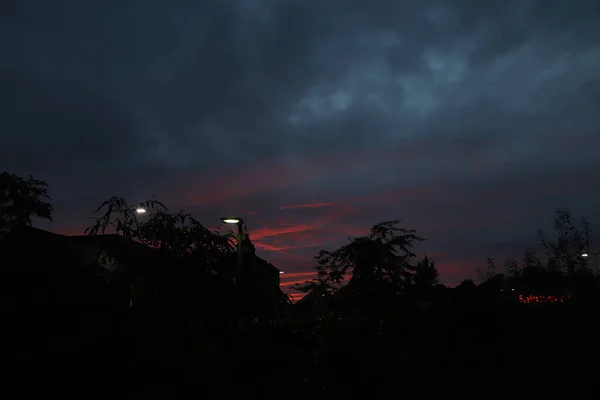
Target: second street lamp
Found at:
587, 255
240, 228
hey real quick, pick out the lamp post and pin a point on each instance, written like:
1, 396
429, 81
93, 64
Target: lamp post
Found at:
140, 212
587, 255
240, 228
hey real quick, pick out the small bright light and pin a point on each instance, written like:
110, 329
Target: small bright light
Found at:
231, 220
140, 210
584, 255
281, 272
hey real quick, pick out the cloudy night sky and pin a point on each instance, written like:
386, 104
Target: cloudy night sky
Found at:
470, 121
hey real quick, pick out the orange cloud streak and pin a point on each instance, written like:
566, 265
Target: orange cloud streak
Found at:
261, 233
291, 283
298, 274
283, 236
296, 296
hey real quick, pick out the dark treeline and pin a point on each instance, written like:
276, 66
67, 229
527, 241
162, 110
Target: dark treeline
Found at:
156, 304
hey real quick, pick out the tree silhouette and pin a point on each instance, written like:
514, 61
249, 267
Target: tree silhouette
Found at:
188, 276
530, 261
466, 284
571, 241
563, 265
425, 274
183, 236
383, 256
121, 217
490, 271
513, 267
22, 199
562, 255
179, 235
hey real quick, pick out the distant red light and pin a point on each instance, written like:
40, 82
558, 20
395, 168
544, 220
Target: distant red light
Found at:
534, 299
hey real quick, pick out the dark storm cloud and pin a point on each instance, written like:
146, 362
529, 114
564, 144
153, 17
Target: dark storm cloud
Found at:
430, 107
79, 128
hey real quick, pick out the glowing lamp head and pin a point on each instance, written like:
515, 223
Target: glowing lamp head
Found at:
231, 220
140, 210
585, 255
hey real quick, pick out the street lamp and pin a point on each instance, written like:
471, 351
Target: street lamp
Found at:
240, 227
140, 208
587, 255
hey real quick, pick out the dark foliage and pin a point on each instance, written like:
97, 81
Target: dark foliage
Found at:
21, 199
158, 306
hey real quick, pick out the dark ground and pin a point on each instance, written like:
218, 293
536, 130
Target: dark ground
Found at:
514, 352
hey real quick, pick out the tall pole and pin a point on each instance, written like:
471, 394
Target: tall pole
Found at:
239, 244
587, 255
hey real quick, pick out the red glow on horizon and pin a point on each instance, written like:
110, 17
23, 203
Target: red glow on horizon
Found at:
70, 231
327, 221
451, 285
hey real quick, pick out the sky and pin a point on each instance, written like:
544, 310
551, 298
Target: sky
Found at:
469, 121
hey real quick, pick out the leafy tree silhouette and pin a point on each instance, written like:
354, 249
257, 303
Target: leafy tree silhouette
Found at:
179, 234
466, 284
513, 267
571, 242
186, 288
490, 271
562, 255
380, 260
22, 199
177, 237
121, 217
425, 274
197, 266
563, 270
183, 236
530, 261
